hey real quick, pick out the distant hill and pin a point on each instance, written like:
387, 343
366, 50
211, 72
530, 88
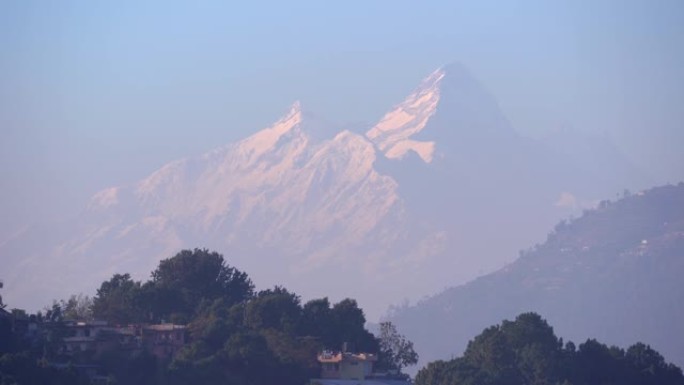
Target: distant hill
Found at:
615, 274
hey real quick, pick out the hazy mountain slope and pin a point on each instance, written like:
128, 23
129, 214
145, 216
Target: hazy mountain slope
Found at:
461, 167
439, 191
287, 204
614, 274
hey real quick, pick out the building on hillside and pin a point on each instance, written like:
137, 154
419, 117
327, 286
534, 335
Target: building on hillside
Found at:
164, 340
87, 336
99, 336
346, 366
343, 368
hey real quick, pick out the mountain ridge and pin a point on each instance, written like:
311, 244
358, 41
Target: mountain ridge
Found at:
302, 201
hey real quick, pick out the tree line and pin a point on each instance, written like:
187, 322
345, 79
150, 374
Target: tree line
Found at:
242, 336
527, 352
237, 335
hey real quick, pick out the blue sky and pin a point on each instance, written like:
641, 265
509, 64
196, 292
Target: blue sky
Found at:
96, 93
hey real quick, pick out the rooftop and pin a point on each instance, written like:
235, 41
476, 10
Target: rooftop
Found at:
164, 327
333, 357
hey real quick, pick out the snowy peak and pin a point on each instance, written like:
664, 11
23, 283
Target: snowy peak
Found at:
392, 134
104, 199
280, 161
302, 200
449, 107
432, 82
267, 139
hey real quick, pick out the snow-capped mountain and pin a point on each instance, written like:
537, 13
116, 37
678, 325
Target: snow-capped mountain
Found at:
281, 204
406, 209
448, 109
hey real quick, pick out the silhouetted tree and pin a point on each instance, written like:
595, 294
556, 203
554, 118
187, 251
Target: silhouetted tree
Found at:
526, 351
2, 305
274, 309
77, 308
191, 276
118, 300
317, 320
396, 352
348, 323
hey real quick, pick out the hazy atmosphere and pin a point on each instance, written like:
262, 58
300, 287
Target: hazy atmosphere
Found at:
443, 192
97, 94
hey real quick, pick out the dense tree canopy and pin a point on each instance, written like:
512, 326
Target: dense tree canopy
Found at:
237, 336
78, 308
240, 337
196, 275
347, 321
275, 309
271, 338
526, 351
177, 288
118, 300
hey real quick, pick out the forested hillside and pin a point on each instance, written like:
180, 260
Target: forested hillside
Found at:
614, 274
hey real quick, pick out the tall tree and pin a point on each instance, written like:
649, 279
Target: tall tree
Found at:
2, 305
348, 322
274, 309
317, 320
118, 300
192, 276
77, 308
396, 352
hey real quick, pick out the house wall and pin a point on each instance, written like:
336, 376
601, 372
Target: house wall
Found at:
352, 370
346, 370
330, 370
367, 368
164, 344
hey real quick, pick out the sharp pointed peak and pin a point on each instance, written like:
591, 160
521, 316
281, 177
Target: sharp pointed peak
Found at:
432, 80
454, 67
294, 111
458, 75
453, 74
449, 74
296, 106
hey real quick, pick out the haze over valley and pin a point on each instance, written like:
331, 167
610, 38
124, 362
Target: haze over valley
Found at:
421, 193
273, 181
